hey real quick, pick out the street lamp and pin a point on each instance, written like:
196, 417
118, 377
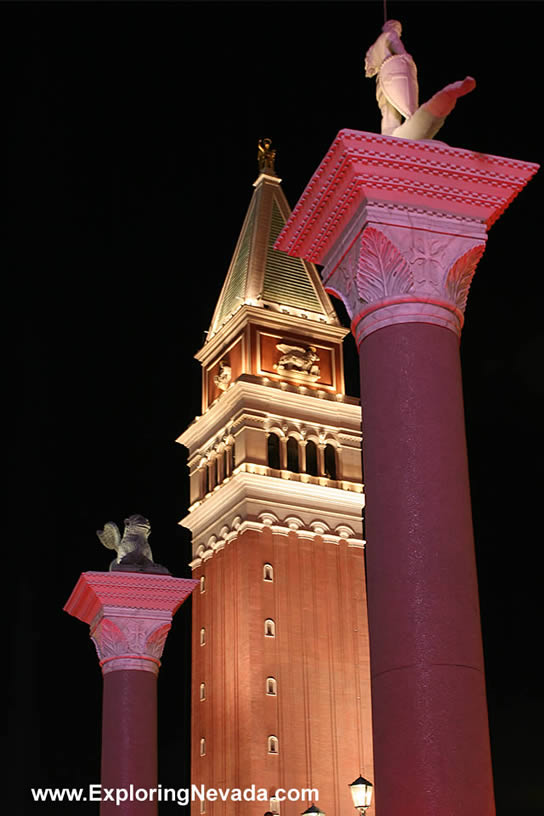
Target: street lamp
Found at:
361, 793
313, 811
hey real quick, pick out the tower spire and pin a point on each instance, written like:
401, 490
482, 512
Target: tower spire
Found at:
258, 275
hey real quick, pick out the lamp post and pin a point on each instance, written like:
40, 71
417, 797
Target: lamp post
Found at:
361, 793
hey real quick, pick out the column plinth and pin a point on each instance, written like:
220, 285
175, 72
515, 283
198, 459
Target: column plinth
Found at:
399, 227
129, 615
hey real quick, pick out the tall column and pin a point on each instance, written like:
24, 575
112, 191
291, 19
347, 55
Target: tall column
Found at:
400, 226
130, 615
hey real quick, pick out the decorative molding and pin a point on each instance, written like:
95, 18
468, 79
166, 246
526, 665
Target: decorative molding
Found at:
298, 362
249, 398
460, 276
287, 475
401, 175
276, 320
382, 271
130, 643
129, 615
324, 390
349, 440
223, 379
432, 205
397, 274
341, 534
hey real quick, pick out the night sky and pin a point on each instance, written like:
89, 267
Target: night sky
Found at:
132, 140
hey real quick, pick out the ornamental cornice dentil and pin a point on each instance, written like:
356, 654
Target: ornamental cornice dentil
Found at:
128, 642
396, 274
341, 534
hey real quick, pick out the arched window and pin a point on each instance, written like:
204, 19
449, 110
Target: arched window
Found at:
311, 458
232, 458
202, 636
272, 745
218, 469
226, 470
202, 747
269, 628
203, 583
271, 686
274, 451
268, 572
292, 455
330, 462
202, 691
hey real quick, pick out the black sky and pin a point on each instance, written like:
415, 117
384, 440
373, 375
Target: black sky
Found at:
132, 132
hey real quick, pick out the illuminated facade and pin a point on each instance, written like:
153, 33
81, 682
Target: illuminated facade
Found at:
280, 666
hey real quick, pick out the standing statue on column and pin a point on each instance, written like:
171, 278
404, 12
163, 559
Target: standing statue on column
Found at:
397, 89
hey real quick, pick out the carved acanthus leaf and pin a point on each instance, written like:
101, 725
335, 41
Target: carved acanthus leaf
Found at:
138, 636
109, 639
156, 640
460, 276
382, 270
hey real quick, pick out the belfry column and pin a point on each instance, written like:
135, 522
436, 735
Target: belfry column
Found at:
130, 615
400, 226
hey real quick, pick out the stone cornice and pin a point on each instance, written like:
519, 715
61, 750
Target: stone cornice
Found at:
400, 226
129, 615
395, 173
247, 495
266, 177
285, 475
251, 397
315, 325
341, 534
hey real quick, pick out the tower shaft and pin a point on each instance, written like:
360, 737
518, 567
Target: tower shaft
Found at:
281, 682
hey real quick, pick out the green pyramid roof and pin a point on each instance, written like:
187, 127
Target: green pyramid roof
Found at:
261, 276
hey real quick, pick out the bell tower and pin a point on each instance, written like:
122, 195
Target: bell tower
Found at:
280, 659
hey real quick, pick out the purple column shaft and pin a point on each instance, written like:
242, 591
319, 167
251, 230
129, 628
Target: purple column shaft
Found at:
129, 739
431, 740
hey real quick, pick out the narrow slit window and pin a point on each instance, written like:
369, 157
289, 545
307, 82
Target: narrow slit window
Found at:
271, 686
202, 636
269, 628
272, 745
202, 747
202, 691
268, 572
203, 583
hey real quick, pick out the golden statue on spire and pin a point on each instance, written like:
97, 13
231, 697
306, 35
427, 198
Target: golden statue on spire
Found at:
266, 156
